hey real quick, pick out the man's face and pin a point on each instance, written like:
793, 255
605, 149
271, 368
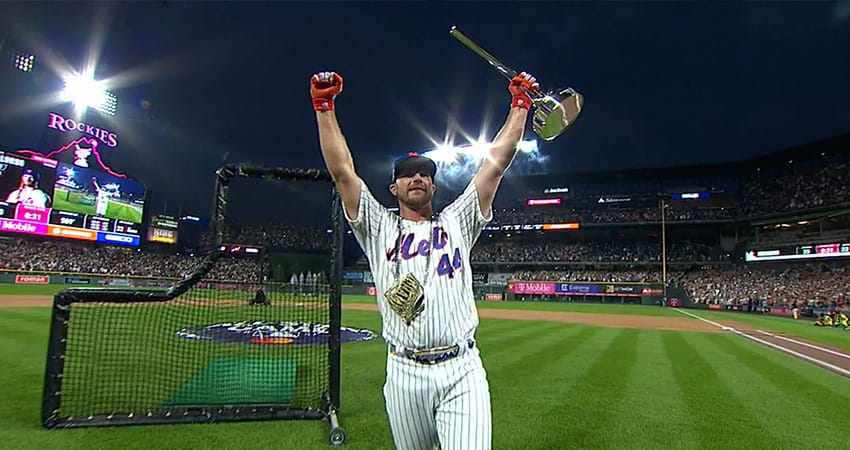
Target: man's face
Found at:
414, 191
28, 180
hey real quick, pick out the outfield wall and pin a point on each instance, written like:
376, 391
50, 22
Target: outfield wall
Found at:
76, 279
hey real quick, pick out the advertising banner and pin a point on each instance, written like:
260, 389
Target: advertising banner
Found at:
352, 276
32, 279
576, 288
522, 287
77, 280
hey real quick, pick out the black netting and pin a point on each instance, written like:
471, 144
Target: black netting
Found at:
248, 335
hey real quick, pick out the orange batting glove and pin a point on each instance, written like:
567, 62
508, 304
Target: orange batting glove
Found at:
324, 87
520, 97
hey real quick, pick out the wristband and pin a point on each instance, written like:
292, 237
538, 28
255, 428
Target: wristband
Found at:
323, 104
521, 101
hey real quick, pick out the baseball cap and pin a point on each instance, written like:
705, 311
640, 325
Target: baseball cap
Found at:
30, 172
413, 163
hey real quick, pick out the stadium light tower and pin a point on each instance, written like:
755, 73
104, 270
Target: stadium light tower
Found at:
23, 62
84, 92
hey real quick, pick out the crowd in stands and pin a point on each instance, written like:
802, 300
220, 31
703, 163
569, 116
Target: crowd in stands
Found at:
279, 236
814, 284
60, 256
271, 235
827, 185
822, 285
594, 251
608, 276
537, 215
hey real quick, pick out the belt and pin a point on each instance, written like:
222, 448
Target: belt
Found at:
431, 355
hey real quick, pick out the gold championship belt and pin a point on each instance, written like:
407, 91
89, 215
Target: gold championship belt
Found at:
406, 298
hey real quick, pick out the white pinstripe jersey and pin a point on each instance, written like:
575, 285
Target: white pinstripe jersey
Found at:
450, 315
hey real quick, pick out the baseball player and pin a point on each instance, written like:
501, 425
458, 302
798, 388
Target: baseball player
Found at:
103, 195
436, 390
28, 191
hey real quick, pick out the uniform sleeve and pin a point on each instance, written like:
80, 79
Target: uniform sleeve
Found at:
467, 210
371, 216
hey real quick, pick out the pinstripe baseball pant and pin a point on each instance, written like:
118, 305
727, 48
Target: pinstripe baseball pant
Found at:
445, 405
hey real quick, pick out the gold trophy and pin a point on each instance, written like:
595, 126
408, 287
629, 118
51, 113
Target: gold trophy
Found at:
554, 111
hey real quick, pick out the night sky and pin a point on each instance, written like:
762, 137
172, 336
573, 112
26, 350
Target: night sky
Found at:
202, 84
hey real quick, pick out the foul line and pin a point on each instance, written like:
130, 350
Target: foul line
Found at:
806, 344
808, 358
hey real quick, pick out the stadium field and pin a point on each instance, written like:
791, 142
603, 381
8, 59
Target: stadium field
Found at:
801, 328
66, 200
553, 385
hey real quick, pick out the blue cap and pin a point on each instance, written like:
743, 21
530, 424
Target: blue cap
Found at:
29, 171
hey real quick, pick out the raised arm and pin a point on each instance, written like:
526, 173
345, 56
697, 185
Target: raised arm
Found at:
324, 87
504, 146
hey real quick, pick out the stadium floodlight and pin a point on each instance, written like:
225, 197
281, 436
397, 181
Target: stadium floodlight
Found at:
23, 62
84, 92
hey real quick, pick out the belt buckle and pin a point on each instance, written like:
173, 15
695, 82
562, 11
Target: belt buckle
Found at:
430, 356
435, 356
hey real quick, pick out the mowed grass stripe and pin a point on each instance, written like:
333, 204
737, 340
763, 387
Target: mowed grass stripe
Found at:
522, 334
531, 403
753, 383
545, 349
22, 376
718, 417
651, 407
24, 330
41, 315
780, 388
600, 389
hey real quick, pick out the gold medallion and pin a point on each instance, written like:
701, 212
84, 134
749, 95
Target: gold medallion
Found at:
406, 298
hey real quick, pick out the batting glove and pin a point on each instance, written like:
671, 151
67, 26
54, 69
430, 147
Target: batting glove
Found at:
520, 97
324, 87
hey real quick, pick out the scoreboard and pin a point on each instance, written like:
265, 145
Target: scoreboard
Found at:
791, 252
163, 229
38, 198
20, 218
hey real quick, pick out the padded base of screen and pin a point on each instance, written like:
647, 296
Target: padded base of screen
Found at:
239, 381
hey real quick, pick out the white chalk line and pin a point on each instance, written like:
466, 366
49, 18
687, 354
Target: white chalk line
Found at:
808, 358
806, 344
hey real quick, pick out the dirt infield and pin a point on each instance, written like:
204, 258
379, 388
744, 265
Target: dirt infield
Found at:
601, 320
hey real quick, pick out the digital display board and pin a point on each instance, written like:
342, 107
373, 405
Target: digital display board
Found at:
240, 250
543, 201
534, 227
163, 229
39, 196
814, 251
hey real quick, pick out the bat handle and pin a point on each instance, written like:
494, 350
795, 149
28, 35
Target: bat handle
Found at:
501, 68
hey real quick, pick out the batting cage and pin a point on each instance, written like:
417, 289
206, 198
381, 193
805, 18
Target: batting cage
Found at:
224, 343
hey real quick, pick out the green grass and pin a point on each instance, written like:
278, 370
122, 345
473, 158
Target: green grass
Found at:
553, 386
32, 289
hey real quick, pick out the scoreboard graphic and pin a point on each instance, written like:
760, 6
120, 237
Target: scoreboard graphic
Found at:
43, 197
